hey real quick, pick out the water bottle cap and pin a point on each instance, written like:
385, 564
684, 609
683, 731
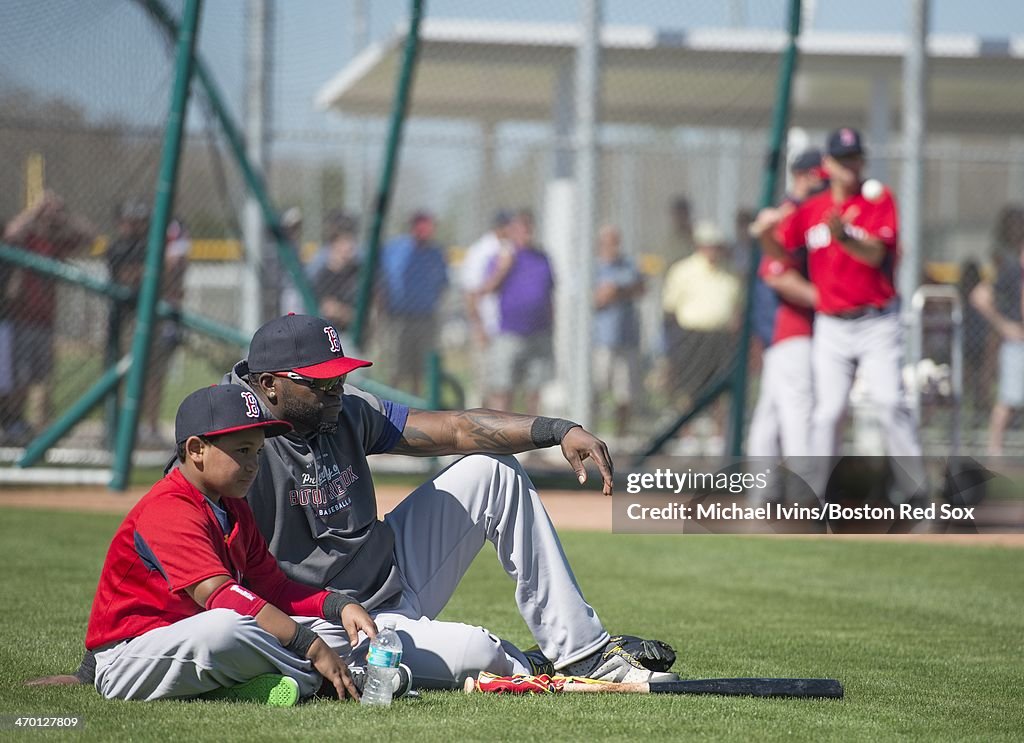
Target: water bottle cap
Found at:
388, 624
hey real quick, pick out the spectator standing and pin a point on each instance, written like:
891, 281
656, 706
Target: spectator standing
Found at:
980, 347
291, 225
681, 243
482, 309
168, 331
336, 282
1001, 304
126, 258
521, 357
47, 229
616, 326
413, 280
701, 300
783, 317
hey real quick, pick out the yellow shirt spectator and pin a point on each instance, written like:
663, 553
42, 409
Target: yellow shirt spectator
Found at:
700, 294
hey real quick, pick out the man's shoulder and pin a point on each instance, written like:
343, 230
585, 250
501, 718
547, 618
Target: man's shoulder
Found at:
359, 405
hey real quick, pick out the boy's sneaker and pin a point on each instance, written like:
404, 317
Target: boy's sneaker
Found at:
271, 689
627, 658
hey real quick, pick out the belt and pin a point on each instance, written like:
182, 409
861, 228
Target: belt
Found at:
858, 313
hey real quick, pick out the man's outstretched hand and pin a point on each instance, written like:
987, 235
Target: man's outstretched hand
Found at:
579, 445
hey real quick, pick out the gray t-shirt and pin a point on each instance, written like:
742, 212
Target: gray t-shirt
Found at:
315, 504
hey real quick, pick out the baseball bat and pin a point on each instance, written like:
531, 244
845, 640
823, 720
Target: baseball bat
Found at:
754, 687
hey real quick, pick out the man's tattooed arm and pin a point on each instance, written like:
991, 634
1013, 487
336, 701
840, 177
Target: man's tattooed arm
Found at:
432, 433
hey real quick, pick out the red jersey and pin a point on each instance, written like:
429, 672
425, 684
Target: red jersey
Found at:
790, 320
170, 540
844, 282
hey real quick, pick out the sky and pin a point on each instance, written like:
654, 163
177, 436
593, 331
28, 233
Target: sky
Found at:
107, 59
104, 55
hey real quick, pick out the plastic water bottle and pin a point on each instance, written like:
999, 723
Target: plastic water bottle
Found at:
382, 665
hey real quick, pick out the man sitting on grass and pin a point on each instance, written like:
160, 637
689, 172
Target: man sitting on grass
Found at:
190, 601
315, 504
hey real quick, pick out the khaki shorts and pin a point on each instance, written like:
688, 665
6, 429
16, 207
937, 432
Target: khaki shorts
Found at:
524, 362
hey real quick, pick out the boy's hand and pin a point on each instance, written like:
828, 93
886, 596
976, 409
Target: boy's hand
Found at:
333, 668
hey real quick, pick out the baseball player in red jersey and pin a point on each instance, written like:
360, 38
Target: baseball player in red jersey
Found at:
783, 317
781, 420
190, 601
852, 244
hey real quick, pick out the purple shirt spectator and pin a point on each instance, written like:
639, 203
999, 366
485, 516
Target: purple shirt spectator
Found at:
524, 299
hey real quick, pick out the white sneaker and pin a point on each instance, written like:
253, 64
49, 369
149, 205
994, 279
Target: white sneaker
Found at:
627, 658
617, 668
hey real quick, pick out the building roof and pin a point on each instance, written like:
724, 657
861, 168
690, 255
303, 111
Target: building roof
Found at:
498, 71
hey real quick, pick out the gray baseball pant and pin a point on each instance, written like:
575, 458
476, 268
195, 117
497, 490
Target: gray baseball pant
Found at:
210, 650
439, 529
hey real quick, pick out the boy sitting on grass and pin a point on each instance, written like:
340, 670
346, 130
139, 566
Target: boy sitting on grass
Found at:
190, 602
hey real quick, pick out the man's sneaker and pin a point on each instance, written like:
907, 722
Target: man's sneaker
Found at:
627, 658
401, 681
539, 664
271, 689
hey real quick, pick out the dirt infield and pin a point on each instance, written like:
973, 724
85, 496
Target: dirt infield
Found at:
584, 511
568, 510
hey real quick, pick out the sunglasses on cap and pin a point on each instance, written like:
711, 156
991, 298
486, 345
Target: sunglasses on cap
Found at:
331, 384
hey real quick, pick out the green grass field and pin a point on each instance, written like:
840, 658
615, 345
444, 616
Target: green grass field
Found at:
928, 640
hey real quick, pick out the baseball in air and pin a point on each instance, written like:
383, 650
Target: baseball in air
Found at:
872, 189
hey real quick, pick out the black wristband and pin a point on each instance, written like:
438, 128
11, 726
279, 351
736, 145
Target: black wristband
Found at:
547, 432
304, 637
334, 603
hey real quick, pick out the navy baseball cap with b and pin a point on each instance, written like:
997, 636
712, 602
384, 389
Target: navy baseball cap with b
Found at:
304, 344
809, 159
845, 142
221, 409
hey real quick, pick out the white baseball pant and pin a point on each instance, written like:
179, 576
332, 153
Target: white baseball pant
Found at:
781, 423
871, 346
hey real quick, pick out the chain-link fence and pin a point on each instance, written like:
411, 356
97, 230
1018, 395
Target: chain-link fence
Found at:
685, 121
